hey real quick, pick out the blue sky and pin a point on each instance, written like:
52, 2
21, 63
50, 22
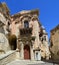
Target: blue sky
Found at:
49, 10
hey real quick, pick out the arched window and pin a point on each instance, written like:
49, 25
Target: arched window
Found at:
26, 24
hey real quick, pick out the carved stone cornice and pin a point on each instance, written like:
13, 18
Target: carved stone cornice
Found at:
31, 12
27, 17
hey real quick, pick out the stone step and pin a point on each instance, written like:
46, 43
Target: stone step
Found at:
28, 62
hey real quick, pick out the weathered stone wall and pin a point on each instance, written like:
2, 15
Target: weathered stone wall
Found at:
36, 34
54, 46
15, 28
4, 44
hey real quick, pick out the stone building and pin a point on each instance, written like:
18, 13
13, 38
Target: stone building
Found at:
54, 43
4, 20
26, 32
32, 39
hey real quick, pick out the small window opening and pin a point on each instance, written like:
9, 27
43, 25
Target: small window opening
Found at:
26, 24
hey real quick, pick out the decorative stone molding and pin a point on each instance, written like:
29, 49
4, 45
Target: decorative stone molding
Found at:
28, 17
35, 17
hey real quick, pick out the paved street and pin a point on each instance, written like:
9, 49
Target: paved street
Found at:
28, 62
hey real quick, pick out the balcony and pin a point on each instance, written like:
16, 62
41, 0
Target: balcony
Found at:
25, 32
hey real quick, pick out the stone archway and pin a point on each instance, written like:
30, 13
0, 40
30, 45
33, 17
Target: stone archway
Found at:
12, 42
26, 52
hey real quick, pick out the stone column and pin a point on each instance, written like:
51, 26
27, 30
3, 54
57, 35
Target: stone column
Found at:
32, 52
17, 44
22, 51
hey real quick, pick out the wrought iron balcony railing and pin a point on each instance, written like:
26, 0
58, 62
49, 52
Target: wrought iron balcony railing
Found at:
25, 31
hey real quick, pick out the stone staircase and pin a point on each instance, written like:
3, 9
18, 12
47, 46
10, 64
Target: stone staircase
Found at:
28, 62
7, 57
11, 58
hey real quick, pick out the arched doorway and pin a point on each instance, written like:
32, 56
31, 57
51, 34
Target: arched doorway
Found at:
12, 41
26, 52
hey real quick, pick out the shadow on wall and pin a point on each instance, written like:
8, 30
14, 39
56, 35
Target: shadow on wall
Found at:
12, 41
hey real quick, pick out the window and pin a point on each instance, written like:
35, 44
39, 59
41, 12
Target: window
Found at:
8, 23
42, 39
37, 56
45, 38
51, 44
26, 24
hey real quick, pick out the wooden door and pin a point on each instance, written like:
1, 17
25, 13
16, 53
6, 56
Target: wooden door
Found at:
26, 52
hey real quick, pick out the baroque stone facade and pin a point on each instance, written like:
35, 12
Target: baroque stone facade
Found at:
32, 39
54, 41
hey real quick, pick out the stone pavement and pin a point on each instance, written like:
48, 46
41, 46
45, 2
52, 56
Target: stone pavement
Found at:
28, 62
